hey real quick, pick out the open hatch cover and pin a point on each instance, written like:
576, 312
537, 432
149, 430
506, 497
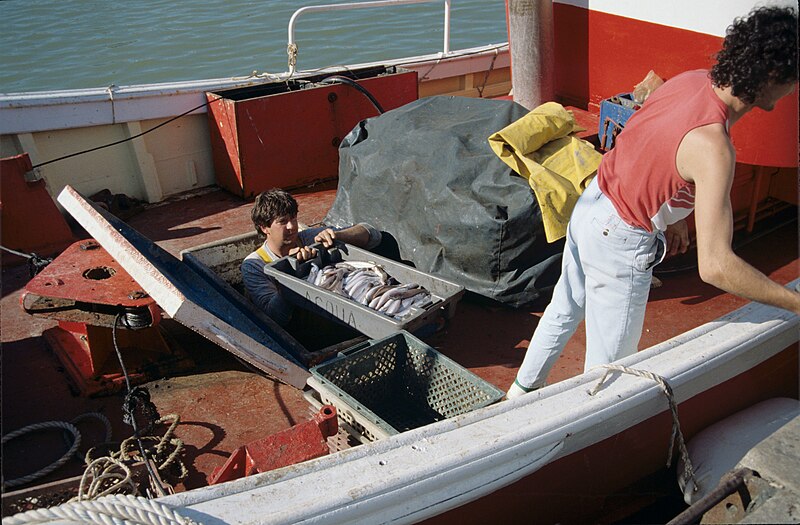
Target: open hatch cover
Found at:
184, 294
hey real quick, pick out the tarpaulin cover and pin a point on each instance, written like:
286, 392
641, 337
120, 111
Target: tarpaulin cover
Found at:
424, 173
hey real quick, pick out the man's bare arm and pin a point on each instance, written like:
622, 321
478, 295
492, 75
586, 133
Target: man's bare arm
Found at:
356, 235
706, 158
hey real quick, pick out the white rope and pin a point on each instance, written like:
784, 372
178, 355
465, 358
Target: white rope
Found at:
117, 509
688, 469
104, 479
50, 468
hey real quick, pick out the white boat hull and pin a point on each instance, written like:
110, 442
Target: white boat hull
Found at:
426, 472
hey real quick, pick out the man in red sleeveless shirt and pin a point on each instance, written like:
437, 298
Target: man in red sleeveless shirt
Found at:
675, 156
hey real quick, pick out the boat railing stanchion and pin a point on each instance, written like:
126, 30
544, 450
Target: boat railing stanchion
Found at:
291, 47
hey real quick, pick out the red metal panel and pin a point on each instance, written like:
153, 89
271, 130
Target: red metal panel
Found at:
587, 485
299, 443
85, 272
29, 218
599, 55
224, 141
290, 139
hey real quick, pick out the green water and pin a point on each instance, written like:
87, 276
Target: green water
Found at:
69, 44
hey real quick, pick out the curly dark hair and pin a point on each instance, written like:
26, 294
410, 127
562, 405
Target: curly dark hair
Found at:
759, 49
270, 205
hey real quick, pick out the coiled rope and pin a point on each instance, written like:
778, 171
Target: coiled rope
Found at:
76, 442
104, 480
165, 453
100, 417
688, 469
122, 509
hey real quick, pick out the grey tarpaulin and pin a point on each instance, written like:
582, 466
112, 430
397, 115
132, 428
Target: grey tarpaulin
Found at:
424, 174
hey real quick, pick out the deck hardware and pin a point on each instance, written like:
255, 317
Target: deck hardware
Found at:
84, 289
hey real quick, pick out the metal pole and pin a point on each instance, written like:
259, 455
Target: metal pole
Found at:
291, 47
446, 47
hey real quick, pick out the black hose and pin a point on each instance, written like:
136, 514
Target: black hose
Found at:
127, 139
338, 79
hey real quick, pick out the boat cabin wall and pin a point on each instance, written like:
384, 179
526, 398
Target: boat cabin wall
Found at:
172, 159
608, 47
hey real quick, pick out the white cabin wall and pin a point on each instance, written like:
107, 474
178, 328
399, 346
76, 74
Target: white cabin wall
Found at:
111, 168
711, 17
169, 160
181, 153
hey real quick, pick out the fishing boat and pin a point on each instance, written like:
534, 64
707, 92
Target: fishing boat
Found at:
593, 446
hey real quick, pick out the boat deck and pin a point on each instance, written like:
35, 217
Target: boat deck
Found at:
224, 404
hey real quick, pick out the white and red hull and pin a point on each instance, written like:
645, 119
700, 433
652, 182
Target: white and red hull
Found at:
610, 46
553, 456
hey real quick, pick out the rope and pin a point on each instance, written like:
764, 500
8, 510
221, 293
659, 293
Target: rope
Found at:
486, 76
104, 479
688, 469
50, 468
111, 474
129, 405
160, 453
136, 318
96, 415
109, 509
291, 51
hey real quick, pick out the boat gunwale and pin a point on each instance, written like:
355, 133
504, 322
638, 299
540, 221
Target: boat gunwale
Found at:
684, 360
75, 108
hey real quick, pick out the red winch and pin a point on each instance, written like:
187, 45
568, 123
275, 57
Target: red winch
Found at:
99, 305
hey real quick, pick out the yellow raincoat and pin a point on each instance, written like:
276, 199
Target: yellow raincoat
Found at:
558, 166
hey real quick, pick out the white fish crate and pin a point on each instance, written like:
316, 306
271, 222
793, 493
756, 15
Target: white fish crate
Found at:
291, 275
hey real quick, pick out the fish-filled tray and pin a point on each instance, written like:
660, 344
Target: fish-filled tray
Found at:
375, 295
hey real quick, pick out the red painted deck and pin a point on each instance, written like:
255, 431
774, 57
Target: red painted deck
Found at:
223, 404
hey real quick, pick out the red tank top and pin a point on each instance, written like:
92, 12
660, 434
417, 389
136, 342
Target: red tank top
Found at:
640, 175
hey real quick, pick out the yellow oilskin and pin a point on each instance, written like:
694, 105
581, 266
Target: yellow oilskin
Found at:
558, 166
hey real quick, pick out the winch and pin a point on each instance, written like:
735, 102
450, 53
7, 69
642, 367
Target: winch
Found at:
100, 308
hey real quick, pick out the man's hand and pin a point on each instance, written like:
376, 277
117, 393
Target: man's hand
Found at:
326, 237
677, 238
303, 253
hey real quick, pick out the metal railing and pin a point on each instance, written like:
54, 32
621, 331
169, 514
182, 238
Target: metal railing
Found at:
291, 47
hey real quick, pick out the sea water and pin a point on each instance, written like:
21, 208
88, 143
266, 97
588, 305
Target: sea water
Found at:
70, 44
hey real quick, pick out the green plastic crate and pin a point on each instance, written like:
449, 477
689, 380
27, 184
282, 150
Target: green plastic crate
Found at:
398, 383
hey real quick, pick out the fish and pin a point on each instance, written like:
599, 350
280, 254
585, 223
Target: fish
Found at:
370, 285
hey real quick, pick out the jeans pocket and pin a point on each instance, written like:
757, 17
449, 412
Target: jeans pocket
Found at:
611, 230
661, 250
650, 252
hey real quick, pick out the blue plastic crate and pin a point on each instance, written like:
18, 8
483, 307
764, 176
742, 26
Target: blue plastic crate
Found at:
614, 113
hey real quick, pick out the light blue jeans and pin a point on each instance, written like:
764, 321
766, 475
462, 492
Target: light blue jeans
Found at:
606, 273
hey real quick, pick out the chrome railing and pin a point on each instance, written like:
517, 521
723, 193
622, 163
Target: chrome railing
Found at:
291, 47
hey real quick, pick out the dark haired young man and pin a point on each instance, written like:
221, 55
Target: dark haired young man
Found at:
675, 156
274, 216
